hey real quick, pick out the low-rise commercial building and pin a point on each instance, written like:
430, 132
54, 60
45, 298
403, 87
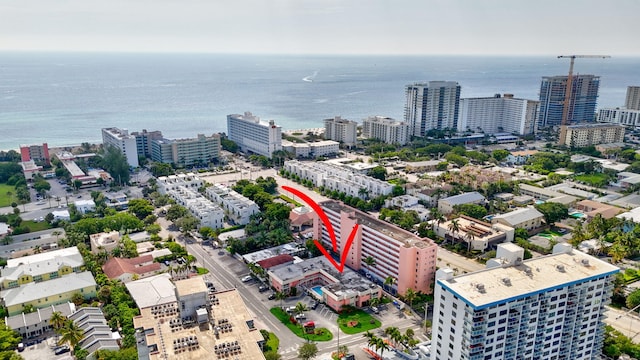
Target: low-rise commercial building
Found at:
477, 234
127, 270
104, 241
447, 205
97, 334
322, 281
526, 218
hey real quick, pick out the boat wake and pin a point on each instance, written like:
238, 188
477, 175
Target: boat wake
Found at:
310, 77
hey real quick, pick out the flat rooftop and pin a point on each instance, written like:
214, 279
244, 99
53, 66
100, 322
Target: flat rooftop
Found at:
504, 284
192, 285
229, 307
380, 226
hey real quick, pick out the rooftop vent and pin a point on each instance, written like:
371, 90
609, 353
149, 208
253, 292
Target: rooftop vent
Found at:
480, 288
506, 281
585, 262
560, 267
528, 271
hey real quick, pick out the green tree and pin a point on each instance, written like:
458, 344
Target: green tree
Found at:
115, 162
474, 210
500, 154
57, 320
633, 299
410, 295
141, 208
272, 355
72, 334
553, 212
176, 211
9, 338
308, 351
378, 172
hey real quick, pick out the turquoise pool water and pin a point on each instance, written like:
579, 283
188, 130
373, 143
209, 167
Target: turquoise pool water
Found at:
318, 290
577, 215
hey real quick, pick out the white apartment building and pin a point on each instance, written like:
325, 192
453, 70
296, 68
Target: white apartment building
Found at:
314, 149
339, 178
431, 105
386, 129
341, 130
498, 114
593, 134
200, 150
237, 207
183, 188
253, 135
121, 140
620, 116
550, 307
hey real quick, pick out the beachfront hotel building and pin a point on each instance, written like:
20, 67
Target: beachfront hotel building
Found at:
339, 178
253, 135
123, 141
200, 150
583, 135
341, 130
431, 105
144, 139
39, 153
583, 99
550, 307
386, 129
399, 254
498, 114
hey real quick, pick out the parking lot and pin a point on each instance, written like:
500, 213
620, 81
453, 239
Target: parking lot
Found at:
44, 349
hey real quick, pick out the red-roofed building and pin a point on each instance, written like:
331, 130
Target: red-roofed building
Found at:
274, 261
125, 269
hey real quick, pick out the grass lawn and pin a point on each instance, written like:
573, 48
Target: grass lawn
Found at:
273, 343
597, 180
202, 271
4, 199
36, 226
322, 334
364, 322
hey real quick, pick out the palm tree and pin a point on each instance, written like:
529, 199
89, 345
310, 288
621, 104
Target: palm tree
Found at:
410, 295
438, 217
394, 334
56, 233
370, 261
469, 237
382, 345
389, 281
370, 336
280, 295
72, 334
301, 308
454, 228
57, 320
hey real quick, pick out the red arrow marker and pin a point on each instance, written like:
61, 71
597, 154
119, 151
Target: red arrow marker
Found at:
325, 220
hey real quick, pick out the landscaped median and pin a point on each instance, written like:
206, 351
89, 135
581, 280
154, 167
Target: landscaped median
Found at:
319, 334
353, 321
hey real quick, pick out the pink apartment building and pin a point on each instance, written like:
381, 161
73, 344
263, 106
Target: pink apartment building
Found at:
399, 254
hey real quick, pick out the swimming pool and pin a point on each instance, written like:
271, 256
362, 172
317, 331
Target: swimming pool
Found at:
577, 215
318, 290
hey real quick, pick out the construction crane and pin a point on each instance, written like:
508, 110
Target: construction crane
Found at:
569, 91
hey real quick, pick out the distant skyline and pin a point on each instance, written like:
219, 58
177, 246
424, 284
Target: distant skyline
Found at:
429, 27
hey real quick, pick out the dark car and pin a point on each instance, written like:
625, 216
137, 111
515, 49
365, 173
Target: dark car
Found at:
61, 350
314, 305
272, 296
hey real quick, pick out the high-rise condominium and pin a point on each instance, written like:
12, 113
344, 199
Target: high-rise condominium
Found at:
431, 105
583, 99
253, 135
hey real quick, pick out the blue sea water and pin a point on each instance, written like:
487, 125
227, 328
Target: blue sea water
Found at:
66, 98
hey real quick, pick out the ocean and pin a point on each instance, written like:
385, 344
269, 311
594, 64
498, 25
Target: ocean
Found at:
66, 98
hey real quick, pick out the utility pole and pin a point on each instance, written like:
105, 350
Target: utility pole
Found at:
568, 94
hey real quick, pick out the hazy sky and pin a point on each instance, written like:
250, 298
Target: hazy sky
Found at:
519, 27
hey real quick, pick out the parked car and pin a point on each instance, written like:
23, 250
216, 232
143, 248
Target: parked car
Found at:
263, 288
61, 350
21, 347
301, 316
314, 305
375, 309
272, 296
247, 278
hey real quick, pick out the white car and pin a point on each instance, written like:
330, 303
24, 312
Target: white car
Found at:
247, 278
